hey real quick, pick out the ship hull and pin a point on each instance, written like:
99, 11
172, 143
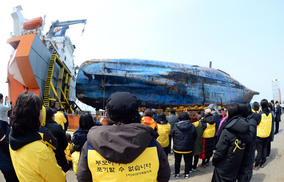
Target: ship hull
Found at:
157, 84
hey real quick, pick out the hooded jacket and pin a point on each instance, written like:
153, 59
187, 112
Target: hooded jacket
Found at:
245, 172
33, 160
121, 144
184, 135
79, 138
230, 150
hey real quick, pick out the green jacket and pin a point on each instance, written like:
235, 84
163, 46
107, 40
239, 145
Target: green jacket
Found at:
198, 146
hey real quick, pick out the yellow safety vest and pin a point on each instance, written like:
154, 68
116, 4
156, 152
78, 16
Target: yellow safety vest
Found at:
144, 168
75, 159
255, 111
209, 132
164, 132
60, 119
196, 123
265, 125
67, 152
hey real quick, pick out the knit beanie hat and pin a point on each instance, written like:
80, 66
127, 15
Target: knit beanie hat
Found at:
122, 107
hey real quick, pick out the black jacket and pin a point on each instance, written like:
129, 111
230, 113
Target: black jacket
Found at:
57, 131
230, 150
272, 128
184, 135
245, 172
278, 113
79, 138
217, 119
5, 159
48, 138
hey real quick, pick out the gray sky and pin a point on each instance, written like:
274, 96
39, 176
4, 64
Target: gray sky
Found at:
243, 38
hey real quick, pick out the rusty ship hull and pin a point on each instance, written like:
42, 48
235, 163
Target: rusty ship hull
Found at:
157, 84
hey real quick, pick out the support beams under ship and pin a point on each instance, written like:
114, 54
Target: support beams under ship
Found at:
157, 84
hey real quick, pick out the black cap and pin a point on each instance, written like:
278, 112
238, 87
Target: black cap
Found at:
122, 107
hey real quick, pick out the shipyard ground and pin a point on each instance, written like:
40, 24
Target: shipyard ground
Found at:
272, 172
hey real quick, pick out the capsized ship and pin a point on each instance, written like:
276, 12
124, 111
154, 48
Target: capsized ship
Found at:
42, 63
157, 84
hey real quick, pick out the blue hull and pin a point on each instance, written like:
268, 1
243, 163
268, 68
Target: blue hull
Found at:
157, 84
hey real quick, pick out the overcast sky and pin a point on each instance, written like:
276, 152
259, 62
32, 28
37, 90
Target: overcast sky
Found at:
244, 38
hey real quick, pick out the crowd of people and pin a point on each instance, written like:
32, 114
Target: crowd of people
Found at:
134, 146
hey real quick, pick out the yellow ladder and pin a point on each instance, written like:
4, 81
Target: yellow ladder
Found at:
49, 80
59, 91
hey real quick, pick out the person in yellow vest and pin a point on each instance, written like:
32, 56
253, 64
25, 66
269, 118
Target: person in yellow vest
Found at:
79, 138
31, 158
124, 150
208, 123
45, 134
255, 107
67, 151
75, 156
60, 135
264, 129
148, 120
164, 131
60, 119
